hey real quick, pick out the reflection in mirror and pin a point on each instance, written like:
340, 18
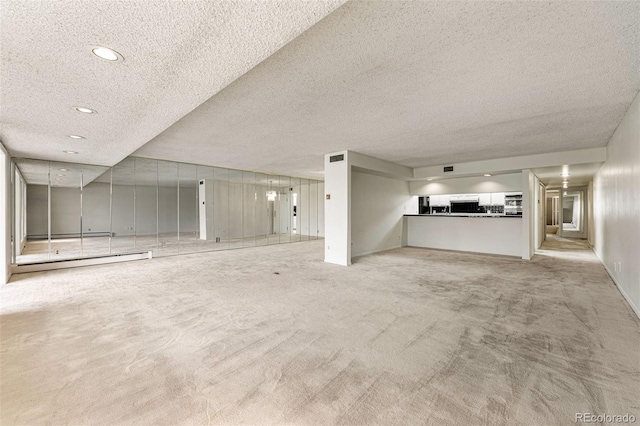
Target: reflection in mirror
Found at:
248, 209
235, 209
167, 208
273, 215
221, 209
262, 210
284, 209
295, 204
303, 206
313, 210
36, 215
123, 207
146, 207
19, 205
188, 209
66, 210
96, 210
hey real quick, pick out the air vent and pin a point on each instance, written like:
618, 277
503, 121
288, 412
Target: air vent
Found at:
448, 169
335, 158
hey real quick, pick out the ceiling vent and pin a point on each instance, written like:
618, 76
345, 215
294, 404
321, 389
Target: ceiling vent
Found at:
448, 169
335, 158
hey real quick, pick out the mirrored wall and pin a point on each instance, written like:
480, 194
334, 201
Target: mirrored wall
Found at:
67, 211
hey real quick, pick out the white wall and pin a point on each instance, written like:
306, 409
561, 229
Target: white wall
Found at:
529, 189
337, 210
616, 189
377, 208
478, 184
5, 208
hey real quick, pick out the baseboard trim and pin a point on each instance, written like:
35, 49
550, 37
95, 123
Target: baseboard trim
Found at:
64, 264
626, 297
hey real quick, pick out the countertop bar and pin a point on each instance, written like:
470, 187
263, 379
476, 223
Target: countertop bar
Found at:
492, 216
450, 232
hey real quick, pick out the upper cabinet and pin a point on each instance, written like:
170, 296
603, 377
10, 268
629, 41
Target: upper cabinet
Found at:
497, 198
485, 199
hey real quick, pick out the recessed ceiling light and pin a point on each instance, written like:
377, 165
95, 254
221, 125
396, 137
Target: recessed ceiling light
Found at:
106, 53
70, 152
59, 175
430, 179
487, 174
565, 175
85, 110
64, 170
76, 137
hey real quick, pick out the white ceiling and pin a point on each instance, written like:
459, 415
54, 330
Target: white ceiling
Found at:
177, 54
424, 83
579, 174
418, 83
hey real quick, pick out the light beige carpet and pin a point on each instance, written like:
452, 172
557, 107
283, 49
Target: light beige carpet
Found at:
272, 335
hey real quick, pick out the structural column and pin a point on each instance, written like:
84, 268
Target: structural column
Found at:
337, 208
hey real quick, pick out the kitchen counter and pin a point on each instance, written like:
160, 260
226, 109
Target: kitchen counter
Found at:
481, 215
465, 233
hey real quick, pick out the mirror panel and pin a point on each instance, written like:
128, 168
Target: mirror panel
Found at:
248, 209
221, 203
284, 209
96, 210
66, 210
235, 209
123, 216
146, 206
188, 209
168, 238
295, 202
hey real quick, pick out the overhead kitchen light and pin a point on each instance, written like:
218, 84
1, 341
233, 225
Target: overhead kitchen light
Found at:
71, 152
487, 174
85, 110
107, 54
64, 170
76, 137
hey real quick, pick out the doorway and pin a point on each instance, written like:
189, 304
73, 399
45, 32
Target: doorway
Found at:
573, 202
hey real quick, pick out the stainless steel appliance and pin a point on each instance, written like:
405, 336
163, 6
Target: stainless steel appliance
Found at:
513, 204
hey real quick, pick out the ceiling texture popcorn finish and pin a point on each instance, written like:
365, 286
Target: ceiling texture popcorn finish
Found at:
177, 54
273, 86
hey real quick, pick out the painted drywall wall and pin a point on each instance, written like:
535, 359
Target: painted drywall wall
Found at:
616, 189
528, 213
337, 209
5, 208
377, 208
468, 185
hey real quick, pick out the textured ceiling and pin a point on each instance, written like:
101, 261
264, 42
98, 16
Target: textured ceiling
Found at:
423, 83
177, 54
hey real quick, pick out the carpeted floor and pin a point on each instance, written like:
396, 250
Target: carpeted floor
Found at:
272, 335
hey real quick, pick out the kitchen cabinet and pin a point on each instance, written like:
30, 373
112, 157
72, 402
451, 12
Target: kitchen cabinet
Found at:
485, 199
497, 198
439, 200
